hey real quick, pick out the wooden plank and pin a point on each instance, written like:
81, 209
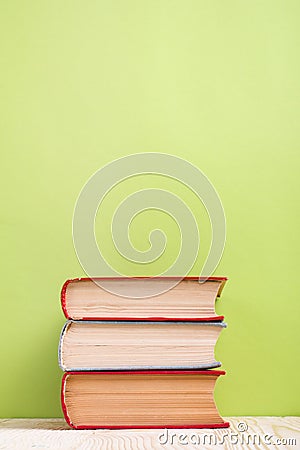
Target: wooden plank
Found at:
245, 432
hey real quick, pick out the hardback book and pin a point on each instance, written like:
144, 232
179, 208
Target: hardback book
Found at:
141, 399
190, 299
115, 345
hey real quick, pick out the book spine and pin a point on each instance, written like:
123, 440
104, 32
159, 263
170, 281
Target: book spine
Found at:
63, 298
63, 403
60, 344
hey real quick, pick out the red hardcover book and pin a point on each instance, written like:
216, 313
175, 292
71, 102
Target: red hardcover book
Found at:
189, 299
141, 399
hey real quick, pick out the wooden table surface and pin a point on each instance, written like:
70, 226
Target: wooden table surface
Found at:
245, 432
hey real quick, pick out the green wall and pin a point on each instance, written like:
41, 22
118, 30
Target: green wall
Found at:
215, 83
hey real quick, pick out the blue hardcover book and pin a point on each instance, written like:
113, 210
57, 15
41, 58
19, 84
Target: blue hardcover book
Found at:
140, 345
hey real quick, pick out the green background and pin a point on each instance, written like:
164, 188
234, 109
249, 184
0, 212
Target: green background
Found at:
215, 83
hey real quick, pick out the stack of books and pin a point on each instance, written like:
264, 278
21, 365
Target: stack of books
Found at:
140, 362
